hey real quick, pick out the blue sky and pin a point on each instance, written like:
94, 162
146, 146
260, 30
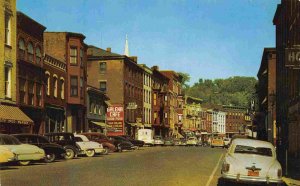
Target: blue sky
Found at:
205, 38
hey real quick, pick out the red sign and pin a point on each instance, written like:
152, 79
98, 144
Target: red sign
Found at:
115, 120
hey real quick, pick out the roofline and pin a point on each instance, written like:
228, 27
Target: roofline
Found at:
42, 26
69, 34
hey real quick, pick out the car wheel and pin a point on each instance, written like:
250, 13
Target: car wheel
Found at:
24, 163
70, 154
50, 157
106, 150
90, 153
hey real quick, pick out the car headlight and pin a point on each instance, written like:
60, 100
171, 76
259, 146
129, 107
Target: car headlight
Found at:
279, 173
225, 167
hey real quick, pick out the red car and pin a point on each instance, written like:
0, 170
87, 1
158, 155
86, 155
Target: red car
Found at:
101, 138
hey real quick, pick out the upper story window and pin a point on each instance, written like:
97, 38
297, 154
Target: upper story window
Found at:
62, 88
74, 86
73, 56
103, 86
102, 67
48, 83
38, 55
7, 75
7, 29
81, 57
39, 95
31, 93
81, 87
30, 52
22, 49
22, 88
55, 86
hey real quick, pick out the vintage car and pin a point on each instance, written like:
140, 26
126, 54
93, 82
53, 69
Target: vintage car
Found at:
52, 150
192, 141
249, 160
136, 143
121, 143
217, 142
6, 155
25, 153
89, 147
158, 140
107, 144
67, 141
227, 142
169, 141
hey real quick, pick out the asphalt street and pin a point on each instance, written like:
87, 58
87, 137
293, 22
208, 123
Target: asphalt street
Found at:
159, 166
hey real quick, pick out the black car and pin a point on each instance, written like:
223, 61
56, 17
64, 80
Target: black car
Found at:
137, 143
121, 143
52, 150
67, 140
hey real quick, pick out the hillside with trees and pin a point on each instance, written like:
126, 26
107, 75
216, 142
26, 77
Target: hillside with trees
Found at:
236, 90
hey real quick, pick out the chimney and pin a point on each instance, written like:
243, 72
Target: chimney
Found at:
108, 49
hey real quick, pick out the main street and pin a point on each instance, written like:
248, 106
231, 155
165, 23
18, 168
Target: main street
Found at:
163, 166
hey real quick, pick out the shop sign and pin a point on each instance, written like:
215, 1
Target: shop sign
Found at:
292, 58
115, 120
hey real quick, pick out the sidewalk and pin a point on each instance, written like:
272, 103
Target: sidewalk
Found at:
291, 182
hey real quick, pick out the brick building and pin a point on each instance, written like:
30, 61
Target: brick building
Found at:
12, 119
69, 48
192, 114
266, 88
31, 75
160, 103
174, 91
286, 20
121, 78
55, 94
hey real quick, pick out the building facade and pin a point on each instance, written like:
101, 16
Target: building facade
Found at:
69, 48
12, 119
31, 75
266, 89
147, 97
160, 103
121, 78
192, 114
55, 94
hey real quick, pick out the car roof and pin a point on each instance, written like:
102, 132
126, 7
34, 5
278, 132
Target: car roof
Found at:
252, 142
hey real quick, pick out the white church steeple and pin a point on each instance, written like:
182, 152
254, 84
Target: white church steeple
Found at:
126, 50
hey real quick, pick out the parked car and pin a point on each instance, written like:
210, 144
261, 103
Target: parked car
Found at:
168, 141
107, 144
89, 147
67, 141
217, 142
249, 160
121, 143
226, 142
192, 141
52, 150
158, 140
25, 153
177, 141
182, 142
136, 143
6, 155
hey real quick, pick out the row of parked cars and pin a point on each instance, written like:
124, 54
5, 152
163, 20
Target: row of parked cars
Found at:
24, 148
190, 141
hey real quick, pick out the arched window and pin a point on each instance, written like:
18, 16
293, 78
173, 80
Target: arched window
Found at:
55, 86
30, 52
62, 88
38, 55
48, 83
21, 49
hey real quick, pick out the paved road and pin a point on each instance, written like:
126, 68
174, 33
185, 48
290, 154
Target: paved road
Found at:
157, 166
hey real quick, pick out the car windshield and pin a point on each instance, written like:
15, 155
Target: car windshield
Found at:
253, 150
9, 140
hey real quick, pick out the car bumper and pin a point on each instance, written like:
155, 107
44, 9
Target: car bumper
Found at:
250, 179
99, 150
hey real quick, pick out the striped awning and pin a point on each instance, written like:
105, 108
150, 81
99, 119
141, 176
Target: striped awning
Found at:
13, 115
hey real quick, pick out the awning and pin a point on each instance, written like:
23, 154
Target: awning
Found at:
101, 124
13, 115
132, 124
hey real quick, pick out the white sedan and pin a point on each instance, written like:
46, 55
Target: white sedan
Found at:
89, 147
192, 141
249, 160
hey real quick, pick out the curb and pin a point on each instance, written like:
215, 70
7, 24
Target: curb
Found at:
291, 182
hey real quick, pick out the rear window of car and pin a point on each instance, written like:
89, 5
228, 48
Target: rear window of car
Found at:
253, 150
